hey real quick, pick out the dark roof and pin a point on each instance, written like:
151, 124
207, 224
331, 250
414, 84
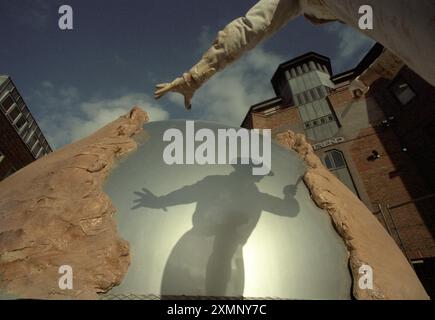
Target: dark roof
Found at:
310, 56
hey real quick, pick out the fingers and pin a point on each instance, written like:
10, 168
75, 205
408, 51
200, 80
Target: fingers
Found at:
161, 89
180, 85
139, 194
146, 191
187, 102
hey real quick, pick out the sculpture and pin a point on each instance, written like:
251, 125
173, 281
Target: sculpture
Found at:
59, 211
403, 27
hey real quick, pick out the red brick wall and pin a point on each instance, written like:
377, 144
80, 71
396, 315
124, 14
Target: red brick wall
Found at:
341, 97
394, 180
279, 119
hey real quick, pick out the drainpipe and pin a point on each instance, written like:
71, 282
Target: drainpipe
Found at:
398, 236
384, 218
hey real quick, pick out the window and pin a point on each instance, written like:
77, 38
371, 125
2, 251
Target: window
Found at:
403, 92
7, 103
20, 103
38, 154
24, 131
15, 94
14, 113
32, 140
26, 113
307, 96
35, 147
21, 123
316, 93
335, 162
319, 92
45, 144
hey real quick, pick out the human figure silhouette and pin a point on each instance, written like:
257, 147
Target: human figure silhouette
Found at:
228, 208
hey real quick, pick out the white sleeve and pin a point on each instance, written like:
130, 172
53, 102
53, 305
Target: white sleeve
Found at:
243, 34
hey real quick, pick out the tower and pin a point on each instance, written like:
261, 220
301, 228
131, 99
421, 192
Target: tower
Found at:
305, 82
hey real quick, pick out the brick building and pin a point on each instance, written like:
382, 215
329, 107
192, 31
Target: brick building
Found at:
382, 146
21, 140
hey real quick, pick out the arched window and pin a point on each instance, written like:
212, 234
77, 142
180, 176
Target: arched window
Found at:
336, 163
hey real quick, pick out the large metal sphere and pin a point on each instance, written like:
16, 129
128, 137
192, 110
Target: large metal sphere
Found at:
223, 231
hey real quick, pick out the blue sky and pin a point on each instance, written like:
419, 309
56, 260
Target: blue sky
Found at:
76, 81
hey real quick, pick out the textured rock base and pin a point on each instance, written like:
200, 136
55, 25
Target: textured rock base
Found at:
366, 240
53, 212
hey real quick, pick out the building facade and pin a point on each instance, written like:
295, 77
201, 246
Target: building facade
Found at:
21, 139
381, 146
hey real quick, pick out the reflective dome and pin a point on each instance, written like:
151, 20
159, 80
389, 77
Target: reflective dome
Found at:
218, 230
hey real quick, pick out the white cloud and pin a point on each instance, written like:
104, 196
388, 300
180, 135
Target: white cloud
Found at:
66, 118
227, 96
99, 113
352, 45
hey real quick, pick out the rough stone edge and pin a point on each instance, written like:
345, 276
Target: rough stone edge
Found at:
366, 240
55, 210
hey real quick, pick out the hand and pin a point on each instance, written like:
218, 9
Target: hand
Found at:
290, 191
358, 88
147, 200
184, 85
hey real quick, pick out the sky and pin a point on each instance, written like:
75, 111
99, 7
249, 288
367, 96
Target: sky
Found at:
76, 81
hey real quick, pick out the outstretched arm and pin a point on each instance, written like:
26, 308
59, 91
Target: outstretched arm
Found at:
241, 35
287, 207
184, 195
